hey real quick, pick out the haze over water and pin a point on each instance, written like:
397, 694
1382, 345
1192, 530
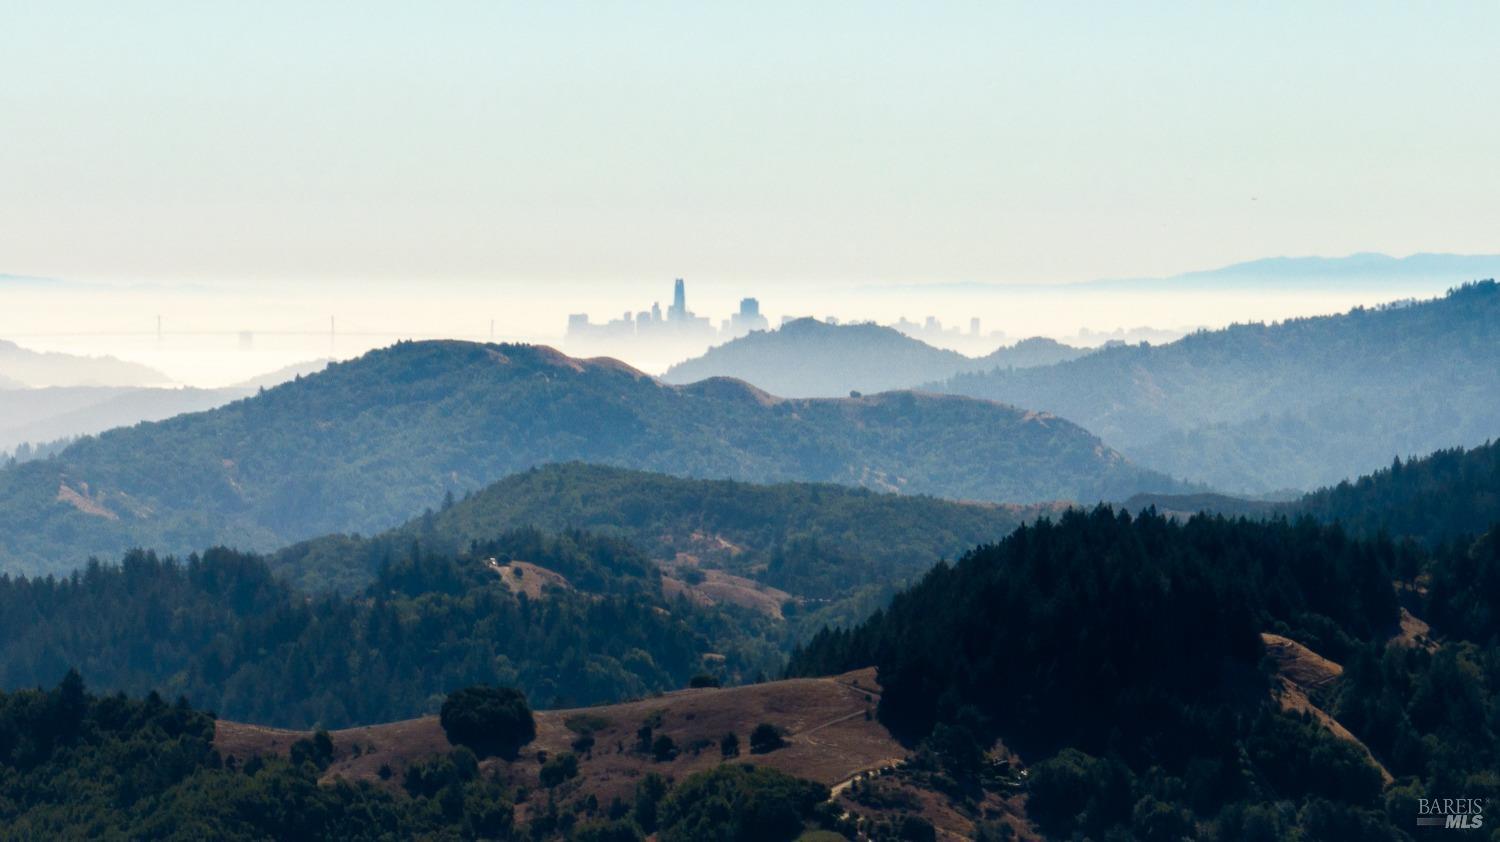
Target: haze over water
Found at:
284, 323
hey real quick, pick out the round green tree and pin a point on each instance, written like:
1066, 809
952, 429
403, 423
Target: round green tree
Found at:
489, 720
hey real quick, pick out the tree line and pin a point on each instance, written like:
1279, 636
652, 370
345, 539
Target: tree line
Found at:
1124, 654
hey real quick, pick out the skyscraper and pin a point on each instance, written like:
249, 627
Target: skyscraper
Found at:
678, 310
748, 318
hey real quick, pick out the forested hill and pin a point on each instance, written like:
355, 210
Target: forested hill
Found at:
1451, 494
575, 619
810, 358
1123, 656
367, 443
1297, 404
821, 542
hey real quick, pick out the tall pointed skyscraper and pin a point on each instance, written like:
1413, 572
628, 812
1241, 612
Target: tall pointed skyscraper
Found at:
678, 310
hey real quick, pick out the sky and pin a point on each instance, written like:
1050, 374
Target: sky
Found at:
774, 142
564, 153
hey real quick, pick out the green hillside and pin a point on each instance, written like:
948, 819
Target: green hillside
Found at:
838, 551
811, 358
222, 631
367, 443
1297, 404
1450, 495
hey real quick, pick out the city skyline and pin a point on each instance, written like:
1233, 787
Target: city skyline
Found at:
688, 331
288, 323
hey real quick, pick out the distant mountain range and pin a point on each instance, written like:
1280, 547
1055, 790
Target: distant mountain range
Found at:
50, 368
1298, 404
283, 374
807, 358
365, 443
45, 415
39, 416
27, 280
1366, 268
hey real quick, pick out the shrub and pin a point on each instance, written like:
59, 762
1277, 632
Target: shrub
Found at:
765, 738
560, 768
663, 748
318, 751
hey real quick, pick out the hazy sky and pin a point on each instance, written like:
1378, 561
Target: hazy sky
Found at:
737, 142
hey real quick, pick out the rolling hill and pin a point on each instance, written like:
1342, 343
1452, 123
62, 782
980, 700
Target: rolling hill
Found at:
1299, 404
45, 415
836, 550
569, 618
1449, 495
283, 374
829, 740
37, 368
807, 358
1443, 500
366, 443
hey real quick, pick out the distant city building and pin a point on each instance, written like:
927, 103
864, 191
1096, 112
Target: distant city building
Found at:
680, 332
680, 323
747, 319
931, 331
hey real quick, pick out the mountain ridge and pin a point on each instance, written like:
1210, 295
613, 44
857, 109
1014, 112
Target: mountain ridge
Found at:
808, 358
54, 368
367, 442
1302, 403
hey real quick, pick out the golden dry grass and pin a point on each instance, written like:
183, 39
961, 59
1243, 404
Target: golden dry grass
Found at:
1301, 673
829, 738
